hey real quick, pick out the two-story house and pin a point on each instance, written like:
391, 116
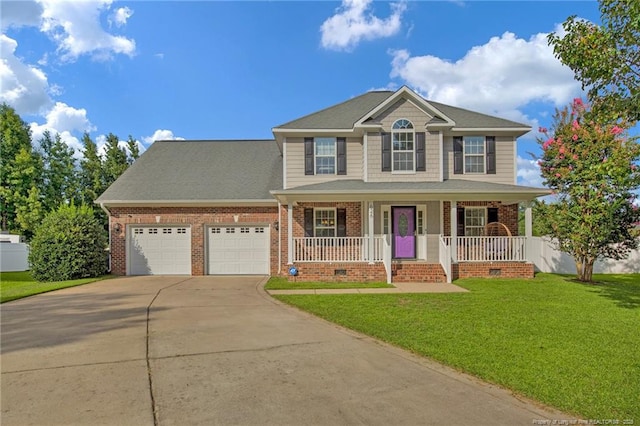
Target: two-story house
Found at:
385, 186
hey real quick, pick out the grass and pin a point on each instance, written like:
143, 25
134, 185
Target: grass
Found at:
570, 345
282, 283
16, 285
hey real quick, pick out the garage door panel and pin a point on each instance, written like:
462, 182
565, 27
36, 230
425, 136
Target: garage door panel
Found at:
159, 250
238, 250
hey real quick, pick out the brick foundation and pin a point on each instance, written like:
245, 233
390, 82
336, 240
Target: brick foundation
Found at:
340, 272
492, 270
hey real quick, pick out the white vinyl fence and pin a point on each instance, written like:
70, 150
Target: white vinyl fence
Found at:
14, 257
547, 259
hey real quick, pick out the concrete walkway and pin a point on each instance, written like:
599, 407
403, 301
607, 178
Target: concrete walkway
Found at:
397, 288
210, 350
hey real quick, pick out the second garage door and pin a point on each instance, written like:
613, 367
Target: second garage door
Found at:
237, 250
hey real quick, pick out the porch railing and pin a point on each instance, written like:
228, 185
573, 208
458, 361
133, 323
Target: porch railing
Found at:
489, 249
445, 257
337, 249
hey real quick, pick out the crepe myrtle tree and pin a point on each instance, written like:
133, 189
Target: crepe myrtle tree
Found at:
591, 167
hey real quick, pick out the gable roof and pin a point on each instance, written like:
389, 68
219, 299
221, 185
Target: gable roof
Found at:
341, 116
176, 172
361, 110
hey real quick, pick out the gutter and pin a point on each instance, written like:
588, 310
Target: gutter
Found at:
109, 223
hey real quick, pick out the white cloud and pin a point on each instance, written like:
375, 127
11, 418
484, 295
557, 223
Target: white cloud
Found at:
498, 78
120, 16
75, 26
528, 172
22, 86
161, 135
64, 120
20, 14
354, 22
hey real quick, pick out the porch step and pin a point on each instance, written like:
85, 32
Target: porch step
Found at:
418, 273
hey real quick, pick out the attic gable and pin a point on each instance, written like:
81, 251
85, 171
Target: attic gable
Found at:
404, 94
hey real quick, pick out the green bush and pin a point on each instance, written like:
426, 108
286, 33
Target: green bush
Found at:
69, 244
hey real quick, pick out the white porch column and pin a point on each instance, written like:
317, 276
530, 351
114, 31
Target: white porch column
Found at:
371, 236
290, 234
528, 221
454, 231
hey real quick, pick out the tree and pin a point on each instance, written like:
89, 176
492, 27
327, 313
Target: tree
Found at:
91, 174
19, 166
59, 177
115, 161
606, 58
69, 244
591, 167
134, 151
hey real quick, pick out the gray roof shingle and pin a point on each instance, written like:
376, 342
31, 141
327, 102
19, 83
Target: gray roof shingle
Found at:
174, 171
341, 116
344, 115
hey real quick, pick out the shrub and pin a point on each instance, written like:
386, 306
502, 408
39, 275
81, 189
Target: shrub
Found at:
69, 244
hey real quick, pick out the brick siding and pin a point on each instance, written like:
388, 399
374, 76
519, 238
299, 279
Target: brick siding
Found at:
198, 218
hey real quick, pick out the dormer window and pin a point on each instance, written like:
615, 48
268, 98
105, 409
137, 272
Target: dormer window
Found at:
403, 146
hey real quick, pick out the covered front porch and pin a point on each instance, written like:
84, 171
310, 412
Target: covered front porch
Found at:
410, 233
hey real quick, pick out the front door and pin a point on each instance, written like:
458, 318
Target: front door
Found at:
404, 232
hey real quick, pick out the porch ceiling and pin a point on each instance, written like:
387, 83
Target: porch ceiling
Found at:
450, 190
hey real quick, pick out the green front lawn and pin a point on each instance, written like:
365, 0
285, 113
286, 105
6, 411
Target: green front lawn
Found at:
16, 285
283, 283
570, 345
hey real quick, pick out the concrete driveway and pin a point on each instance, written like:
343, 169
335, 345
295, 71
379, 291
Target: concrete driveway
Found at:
219, 350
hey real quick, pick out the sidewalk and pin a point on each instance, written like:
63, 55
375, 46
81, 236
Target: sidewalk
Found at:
399, 288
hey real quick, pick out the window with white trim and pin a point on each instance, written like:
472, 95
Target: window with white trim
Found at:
474, 154
325, 156
385, 220
474, 221
324, 222
402, 146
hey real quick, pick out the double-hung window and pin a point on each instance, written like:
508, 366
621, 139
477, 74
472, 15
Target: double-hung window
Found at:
474, 155
324, 223
474, 159
325, 155
474, 221
403, 147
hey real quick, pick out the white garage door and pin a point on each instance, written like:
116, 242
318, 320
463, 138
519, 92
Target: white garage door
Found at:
238, 250
161, 250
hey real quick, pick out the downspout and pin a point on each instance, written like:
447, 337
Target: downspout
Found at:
109, 222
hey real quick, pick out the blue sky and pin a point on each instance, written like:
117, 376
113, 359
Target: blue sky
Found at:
234, 69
